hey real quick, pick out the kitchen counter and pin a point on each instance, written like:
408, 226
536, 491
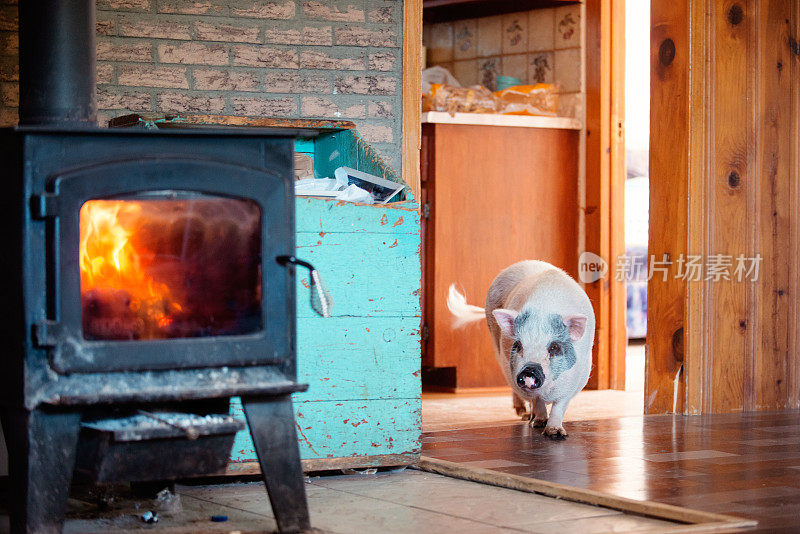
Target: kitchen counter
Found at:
492, 119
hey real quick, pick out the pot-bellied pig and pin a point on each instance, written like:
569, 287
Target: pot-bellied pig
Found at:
543, 328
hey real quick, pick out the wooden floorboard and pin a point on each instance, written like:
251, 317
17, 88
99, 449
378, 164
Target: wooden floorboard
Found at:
746, 465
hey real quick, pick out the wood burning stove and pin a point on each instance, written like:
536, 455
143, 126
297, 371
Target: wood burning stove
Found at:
170, 250
146, 272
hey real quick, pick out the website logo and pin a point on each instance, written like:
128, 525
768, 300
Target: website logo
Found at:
591, 267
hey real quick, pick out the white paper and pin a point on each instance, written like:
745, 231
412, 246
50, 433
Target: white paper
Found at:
316, 187
353, 193
380, 189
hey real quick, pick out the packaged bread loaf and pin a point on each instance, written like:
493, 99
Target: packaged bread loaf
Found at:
451, 99
539, 99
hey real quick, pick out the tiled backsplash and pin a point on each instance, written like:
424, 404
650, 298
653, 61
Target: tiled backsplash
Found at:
542, 45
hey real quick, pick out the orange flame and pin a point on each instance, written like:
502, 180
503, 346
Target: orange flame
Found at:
109, 261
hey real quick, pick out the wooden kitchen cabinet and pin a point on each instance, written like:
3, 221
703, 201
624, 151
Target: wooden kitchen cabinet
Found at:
493, 195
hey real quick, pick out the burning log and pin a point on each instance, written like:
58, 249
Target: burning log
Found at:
107, 314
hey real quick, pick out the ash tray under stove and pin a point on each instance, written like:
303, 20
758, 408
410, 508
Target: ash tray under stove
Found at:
162, 445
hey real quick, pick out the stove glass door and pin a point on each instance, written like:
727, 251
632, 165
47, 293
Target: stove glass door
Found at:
170, 265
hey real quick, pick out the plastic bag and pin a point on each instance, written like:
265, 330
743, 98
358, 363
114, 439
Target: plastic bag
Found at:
539, 99
316, 186
353, 193
439, 75
462, 99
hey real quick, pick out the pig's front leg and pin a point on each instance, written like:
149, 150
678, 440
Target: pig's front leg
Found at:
520, 407
554, 428
539, 418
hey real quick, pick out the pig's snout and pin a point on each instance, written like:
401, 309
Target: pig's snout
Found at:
531, 376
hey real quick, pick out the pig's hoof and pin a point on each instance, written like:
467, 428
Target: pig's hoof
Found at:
525, 416
555, 433
538, 423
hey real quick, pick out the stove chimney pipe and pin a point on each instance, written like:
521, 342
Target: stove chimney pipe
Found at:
57, 62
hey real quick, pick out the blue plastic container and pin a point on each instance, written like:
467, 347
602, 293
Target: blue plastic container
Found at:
504, 82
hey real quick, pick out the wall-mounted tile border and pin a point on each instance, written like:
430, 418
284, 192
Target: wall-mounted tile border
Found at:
490, 36
537, 46
567, 26
541, 30
465, 39
515, 33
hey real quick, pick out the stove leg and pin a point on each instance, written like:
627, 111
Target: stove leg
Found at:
272, 426
41, 449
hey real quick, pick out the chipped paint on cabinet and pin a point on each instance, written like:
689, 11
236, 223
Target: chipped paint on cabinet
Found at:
362, 365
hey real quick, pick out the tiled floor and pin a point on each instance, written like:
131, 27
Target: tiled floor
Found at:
399, 502
447, 411
739, 464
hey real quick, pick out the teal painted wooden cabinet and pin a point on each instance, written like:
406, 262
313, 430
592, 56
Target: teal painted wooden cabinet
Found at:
363, 404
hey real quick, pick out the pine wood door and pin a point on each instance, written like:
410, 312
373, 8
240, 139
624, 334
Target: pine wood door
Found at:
724, 175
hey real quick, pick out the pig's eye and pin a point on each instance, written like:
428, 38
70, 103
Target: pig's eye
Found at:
554, 349
517, 346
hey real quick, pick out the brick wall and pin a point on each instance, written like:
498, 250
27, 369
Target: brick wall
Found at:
281, 58
537, 46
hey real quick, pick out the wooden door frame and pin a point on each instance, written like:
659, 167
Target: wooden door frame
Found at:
412, 94
603, 174
726, 181
604, 182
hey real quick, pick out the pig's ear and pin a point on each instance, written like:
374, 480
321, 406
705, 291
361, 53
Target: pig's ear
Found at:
576, 324
505, 319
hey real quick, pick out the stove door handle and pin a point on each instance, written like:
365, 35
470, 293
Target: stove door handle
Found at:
286, 260
321, 300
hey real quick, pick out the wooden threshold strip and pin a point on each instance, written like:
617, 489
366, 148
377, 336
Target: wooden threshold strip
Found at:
252, 467
693, 520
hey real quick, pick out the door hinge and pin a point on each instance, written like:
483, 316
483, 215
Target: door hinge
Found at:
44, 205
46, 333
426, 210
425, 332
